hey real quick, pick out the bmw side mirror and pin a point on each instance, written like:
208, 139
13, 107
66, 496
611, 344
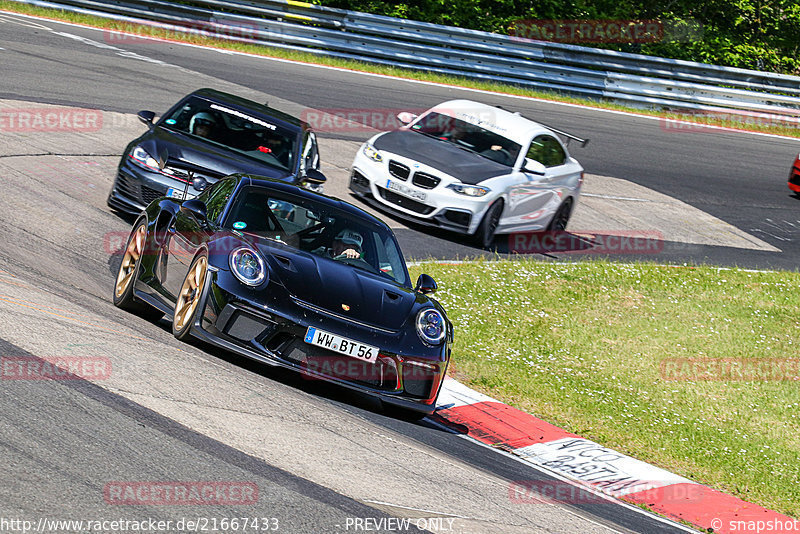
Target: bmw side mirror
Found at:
199, 183
146, 117
534, 167
406, 117
197, 209
425, 285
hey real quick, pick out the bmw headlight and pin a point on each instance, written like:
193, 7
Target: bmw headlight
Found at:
248, 266
372, 153
431, 326
469, 190
141, 157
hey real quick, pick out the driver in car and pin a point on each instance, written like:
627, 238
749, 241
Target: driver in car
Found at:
346, 244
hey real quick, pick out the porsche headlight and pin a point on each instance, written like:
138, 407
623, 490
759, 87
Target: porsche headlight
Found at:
431, 326
470, 190
248, 266
142, 158
372, 153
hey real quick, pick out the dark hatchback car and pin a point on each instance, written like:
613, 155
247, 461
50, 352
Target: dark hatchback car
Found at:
208, 135
291, 278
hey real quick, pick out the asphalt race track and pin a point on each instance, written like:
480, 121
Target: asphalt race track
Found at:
319, 457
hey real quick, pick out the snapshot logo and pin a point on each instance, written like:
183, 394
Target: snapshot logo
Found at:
180, 493
560, 492
216, 28
612, 242
605, 31
730, 369
55, 368
709, 121
50, 119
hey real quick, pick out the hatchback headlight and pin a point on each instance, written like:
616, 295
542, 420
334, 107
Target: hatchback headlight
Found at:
372, 153
248, 266
469, 190
142, 158
431, 326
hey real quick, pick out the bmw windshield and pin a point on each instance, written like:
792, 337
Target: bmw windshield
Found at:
235, 130
469, 137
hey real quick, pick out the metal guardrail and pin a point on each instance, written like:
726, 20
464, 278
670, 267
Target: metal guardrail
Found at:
631, 78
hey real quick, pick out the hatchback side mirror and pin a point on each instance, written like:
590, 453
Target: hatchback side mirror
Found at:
146, 117
425, 284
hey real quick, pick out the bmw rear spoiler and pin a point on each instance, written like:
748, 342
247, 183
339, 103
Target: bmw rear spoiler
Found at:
568, 136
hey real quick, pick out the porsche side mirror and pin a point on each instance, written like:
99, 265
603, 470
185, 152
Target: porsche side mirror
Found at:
146, 117
197, 209
406, 117
425, 284
313, 176
199, 183
534, 167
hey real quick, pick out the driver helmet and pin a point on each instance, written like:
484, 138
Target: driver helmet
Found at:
204, 118
350, 237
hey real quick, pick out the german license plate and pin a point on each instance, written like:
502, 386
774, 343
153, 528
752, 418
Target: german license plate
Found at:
342, 345
406, 191
175, 193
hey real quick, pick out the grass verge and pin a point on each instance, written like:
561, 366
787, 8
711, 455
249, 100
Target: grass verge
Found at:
770, 125
597, 348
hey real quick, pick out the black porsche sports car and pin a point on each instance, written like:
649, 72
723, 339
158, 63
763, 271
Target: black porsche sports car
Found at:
292, 278
211, 134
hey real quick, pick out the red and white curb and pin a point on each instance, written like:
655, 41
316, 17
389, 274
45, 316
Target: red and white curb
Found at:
543, 445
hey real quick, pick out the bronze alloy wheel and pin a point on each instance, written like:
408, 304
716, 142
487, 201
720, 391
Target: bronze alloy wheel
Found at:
130, 261
189, 297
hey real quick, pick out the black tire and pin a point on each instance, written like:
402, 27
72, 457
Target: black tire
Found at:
559, 221
129, 267
484, 235
188, 303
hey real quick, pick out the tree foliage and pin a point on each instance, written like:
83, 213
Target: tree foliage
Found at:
754, 34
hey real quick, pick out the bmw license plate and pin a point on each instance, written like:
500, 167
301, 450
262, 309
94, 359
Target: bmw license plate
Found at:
342, 345
404, 190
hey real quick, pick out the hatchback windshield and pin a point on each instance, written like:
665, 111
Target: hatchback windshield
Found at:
235, 130
317, 229
469, 136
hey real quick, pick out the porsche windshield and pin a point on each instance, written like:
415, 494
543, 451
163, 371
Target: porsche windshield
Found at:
235, 130
469, 137
317, 229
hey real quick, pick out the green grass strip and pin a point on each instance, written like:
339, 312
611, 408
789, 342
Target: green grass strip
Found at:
601, 350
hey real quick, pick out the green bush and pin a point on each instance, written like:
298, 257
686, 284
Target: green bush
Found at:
753, 34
